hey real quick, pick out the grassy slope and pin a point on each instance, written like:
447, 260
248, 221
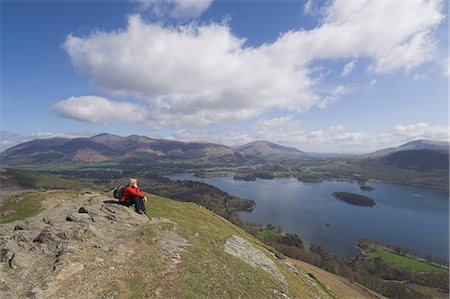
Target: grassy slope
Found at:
206, 270
341, 287
403, 261
29, 204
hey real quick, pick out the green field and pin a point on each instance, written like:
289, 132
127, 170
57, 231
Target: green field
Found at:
405, 262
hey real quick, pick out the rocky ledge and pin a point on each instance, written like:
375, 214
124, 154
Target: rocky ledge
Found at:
71, 250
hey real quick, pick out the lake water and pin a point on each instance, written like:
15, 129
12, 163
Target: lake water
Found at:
413, 217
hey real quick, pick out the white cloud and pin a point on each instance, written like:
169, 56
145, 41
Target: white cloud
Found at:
348, 68
98, 110
338, 92
373, 82
190, 135
190, 74
308, 8
179, 9
288, 130
369, 29
203, 74
421, 131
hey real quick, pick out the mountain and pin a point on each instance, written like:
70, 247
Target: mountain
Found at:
420, 159
268, 150
113, 148
79, 245
412, 146
419, 155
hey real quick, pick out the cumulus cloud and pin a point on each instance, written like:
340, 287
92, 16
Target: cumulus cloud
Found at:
190, 74
421, 131
98, 110
190, 135
288, 130
204, 74
179, 9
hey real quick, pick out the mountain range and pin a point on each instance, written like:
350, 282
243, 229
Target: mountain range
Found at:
136, 149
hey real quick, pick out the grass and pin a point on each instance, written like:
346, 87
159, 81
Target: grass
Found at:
21, 207
29, 204
404, 261
36, 180
266, 234
207, 271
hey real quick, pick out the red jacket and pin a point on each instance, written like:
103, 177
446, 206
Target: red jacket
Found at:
130, 191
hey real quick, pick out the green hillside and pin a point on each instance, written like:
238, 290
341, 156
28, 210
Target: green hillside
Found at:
181, 252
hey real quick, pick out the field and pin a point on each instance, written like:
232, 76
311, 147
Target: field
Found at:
405, 262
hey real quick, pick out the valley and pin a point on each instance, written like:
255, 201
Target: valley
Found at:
258, 187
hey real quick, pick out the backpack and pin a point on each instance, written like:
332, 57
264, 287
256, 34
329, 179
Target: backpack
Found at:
118, 192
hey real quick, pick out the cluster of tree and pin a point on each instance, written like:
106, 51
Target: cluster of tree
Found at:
203, 194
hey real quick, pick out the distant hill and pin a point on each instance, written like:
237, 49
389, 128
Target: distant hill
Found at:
412, 146
268, 150
107, 147
420, 160
419, 155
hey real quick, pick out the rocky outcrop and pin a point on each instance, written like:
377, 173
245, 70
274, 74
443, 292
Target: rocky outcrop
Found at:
242, 249
72, 250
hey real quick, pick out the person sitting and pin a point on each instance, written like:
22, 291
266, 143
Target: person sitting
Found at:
132, 195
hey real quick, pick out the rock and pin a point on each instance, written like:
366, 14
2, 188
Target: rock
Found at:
242, 249
69, 270
44, 237
82, 210
99, 260
18, 227
67, 253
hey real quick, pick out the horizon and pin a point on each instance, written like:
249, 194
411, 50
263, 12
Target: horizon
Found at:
327, 77
230, 146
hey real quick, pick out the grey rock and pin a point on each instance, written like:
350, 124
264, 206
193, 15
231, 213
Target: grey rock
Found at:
242, 249
65, 254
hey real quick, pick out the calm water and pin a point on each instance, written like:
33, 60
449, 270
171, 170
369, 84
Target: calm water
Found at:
413, 217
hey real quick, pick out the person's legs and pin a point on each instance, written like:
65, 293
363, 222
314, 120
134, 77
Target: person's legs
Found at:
139, 204
129, 201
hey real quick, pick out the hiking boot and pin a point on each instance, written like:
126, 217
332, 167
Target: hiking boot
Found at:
145, 212
140, 212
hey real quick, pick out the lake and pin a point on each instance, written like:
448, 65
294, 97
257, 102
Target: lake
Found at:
413, 217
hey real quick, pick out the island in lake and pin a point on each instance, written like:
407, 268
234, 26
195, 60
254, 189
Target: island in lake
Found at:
366, 188
354, 199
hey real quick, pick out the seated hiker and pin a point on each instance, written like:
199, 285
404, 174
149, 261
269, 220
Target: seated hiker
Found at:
132, 196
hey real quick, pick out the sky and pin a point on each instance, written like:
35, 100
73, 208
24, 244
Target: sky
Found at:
322, 76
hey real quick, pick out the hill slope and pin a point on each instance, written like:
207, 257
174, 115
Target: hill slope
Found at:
183, 250
113, 148
420, 160
412, 146
268, 150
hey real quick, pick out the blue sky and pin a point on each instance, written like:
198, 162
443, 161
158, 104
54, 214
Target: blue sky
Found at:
323, 76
